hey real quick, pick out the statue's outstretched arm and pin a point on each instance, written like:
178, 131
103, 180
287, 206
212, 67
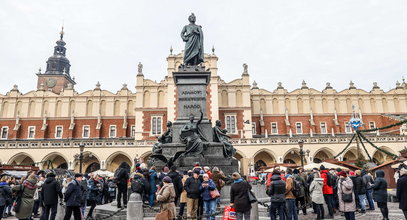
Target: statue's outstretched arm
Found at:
200, 118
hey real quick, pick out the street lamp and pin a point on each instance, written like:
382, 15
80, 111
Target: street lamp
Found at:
302, 152
81, 148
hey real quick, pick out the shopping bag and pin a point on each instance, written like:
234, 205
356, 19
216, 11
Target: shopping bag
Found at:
229, 213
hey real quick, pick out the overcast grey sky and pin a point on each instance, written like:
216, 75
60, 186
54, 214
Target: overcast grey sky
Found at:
317, 41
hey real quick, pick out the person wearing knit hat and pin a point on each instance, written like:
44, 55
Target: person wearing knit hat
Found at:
345, 189
193, 188
236, 176
239, 196
166, 196
342, 173
167, 179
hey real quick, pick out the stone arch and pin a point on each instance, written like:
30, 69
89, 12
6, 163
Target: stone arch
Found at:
58, 160
89, 108
31, 109
351, 154
58, 108
287, 103
90, 162
45, 110
21, 158
146, 99
380, 157
116, 109
293, 156
130, 108
145, 156
312, 104
384, 103
263, 106
224, 98
263, 157
300, 107
275, 106
239, 98
373, 105
4, 109
396, 105
361, 104
324, 105
71, 108
348, 105
18, 108
323, 154
161, 99
337, 105
114, 160
103, 108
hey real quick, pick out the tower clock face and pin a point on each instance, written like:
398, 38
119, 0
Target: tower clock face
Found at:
51, 83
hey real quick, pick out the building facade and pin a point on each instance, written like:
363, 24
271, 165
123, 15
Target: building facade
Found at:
47, 125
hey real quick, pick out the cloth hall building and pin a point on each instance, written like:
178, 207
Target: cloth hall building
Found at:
50, 122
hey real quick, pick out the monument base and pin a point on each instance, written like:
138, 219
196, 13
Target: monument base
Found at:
213, 157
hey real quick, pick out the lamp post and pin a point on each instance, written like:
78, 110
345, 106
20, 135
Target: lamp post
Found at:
302, 152
81, 148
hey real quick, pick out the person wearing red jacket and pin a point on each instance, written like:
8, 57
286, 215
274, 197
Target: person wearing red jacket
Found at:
327, 191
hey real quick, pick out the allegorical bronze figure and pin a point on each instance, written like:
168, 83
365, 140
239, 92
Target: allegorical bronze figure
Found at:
164, 139
219, 135
192, 136
192, 35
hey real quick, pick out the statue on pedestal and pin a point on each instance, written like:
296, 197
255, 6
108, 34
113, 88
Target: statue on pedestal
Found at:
192, 136
192, 35
164, 139
219, 135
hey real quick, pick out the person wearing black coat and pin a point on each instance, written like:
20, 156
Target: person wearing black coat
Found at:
360, 190
73, 198
276, 191
176, 181
239, 198
402, 190
51, 190
380, 193
94, 191
193, 188
5, 195
122, 177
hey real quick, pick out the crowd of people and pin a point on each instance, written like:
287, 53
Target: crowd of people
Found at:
342, 191
198, 191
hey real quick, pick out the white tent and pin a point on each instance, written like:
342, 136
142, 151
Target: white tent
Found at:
326, 165
103, 173
271, 169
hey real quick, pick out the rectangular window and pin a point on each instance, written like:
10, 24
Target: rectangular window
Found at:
324, 130
4, 132
274, 128
156, 125
298, 127
31, 132
253, 128
112, 131
86, 131
348, 128
58, 131
133, 131
231, 124
372, 125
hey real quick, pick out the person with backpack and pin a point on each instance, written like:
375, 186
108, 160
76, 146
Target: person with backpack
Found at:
94, 191
291, 188
122, 177
276, 191
346, 196
300, 199
73, 198
25, 197
176, 181
51, 191
328, 190
317, 195
138, 184
5, 195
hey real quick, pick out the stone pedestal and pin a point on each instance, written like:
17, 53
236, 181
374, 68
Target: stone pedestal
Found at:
135, 207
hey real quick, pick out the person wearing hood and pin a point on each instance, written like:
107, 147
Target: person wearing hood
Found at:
276, 191
317, 195
402, 189
327, 190
26, 190
239, 198
368, 180
166, 197
51, 190
289, 196
345, 187
122, 177
380, 193
209, 203
176, 181
5, 195
300, 200
153, 186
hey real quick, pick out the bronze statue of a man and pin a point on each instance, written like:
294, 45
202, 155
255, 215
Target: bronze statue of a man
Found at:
192, 35
219, 135
192, 136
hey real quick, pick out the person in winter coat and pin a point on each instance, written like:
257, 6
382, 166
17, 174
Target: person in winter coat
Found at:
239, 198
289, 196
84, 190
183, 197
327, 190
345, 186
73, 198
368, 180
112, 189
360, 190
146, 182
153, 186
26, 190
209, 203
219, 179
5, 195
51, 190
176, 181
380, 193
402, 190
276, 191
122, 177
192, 187
166, 197
94, 191
317, 195
300, 199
